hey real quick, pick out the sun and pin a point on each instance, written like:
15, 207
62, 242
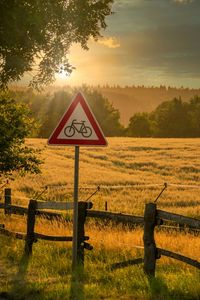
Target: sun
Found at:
61, 73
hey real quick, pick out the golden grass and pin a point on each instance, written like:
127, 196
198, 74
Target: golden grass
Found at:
126, 161
111, 237
145, 164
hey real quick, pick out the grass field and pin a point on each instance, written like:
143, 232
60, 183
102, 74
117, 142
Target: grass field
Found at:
130, 173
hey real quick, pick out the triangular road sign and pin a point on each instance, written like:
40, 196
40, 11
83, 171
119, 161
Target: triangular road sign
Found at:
78, 126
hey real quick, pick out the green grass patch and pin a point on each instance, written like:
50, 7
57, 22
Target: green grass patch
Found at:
47, 275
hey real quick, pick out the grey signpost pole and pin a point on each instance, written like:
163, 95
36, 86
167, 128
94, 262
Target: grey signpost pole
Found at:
75, 212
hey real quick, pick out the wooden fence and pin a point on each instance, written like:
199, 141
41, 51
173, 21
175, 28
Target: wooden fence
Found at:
152, 217
35, 208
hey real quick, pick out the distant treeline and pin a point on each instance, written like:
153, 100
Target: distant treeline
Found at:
48, 108
132, 99
172, 118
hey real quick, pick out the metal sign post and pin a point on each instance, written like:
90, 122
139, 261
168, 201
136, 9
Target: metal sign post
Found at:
75, 212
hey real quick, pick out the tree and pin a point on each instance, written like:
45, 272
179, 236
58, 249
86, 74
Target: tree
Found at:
39, 33
36, 102
139, 125
194, 115
107, 116
56, 107
16, 124
171, 119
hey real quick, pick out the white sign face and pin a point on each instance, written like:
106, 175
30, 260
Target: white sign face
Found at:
78, 126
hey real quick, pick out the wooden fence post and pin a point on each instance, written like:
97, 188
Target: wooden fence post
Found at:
106, 206
150, 251
30, 227
7, 197
82, 206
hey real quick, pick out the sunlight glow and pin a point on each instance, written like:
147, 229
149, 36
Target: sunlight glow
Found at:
61, 74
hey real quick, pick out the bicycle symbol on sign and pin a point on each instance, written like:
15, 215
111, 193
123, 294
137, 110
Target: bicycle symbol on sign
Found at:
80, 127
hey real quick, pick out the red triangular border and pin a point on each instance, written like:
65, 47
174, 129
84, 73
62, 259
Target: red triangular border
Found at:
53, 140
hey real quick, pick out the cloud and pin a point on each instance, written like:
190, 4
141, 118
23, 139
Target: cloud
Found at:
161, 35
110, 42
171, 49
158, 42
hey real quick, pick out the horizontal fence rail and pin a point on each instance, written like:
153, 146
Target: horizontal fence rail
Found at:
19, 210
22, 236
127, 263
180, 257
122, 218
53, 238
55, 205
56, 238
17, 235
194, 223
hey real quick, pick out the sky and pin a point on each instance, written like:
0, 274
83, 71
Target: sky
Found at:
146, 42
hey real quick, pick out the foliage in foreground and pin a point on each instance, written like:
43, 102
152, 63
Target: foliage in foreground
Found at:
16, 124
37, 35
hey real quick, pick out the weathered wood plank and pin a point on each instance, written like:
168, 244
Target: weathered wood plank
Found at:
7, 199
30, 237
127, 263
180, 257
56, 238
148, 238
18, 210
122, 218
53, 238
55, 205
194, 223
17, 235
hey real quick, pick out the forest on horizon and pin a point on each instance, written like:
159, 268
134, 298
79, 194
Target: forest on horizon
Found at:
133, 99
149, 112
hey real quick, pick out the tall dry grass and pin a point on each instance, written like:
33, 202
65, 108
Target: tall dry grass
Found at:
145, 164
130, 173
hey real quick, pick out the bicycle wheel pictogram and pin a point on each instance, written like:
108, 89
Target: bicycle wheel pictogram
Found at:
69, 131
86, 132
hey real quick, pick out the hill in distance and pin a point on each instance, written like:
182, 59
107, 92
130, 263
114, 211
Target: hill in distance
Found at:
131, 99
